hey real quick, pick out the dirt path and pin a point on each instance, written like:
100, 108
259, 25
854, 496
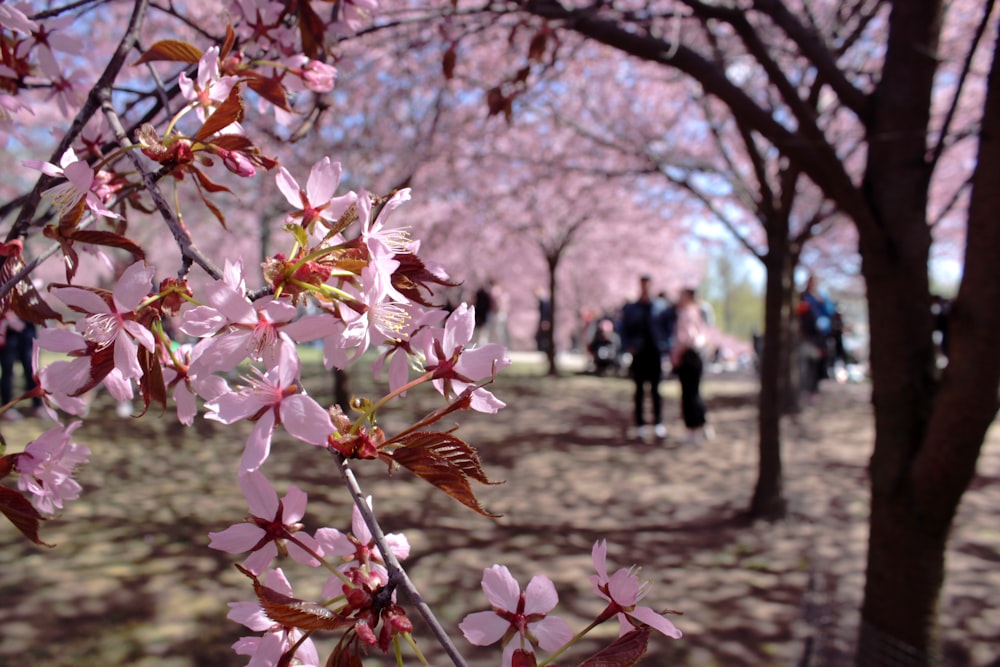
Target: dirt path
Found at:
133, 583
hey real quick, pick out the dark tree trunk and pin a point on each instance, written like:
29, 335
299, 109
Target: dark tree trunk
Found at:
768, 498
928, 438
552, 262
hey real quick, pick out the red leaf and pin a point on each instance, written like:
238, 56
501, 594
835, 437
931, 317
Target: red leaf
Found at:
151, 383
22, 514
111, 240
172, 50
295, 613
444, 461
623, 652
227, 113
270, 89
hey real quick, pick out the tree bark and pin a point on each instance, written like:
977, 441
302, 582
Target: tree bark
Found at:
768, 501
928, 438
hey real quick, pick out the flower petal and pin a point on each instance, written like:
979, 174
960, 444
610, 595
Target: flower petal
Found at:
540, 596
551, 632
261, 496
483, 628
656, 621
501, 589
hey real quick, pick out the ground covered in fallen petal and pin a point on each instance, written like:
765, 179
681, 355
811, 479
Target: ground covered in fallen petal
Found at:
133, 582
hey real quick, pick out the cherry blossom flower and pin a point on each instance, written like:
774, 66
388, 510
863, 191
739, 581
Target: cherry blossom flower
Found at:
187, 387
456, 368
210, 88
518, 619
317, 200
266, 651
273, 398
271, 523
111, 322
398, 352
372, 318
359, 551
47, 466
373, 229
623, 589
81, 183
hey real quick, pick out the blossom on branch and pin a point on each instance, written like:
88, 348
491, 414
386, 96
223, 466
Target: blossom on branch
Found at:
359, 552
47, 466
457, 367
271, 524
81, 184
271, 398
316, 201
519, 620
623, 590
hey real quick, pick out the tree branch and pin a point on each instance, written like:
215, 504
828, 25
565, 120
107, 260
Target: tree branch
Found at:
397, 574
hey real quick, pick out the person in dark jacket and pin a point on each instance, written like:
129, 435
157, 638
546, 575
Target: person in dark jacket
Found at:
647, 332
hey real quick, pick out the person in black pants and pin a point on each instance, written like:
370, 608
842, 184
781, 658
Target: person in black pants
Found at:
690, 338
647, 327
19, 339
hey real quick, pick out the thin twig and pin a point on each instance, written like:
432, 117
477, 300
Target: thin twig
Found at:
189, 252
396, 572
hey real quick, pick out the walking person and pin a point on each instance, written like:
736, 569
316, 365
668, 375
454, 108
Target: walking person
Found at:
647, 326
690, 337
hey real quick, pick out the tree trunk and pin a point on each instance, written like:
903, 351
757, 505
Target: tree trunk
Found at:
768, 499
928, 437
552, 261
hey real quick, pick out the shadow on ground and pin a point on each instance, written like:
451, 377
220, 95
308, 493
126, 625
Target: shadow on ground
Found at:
132, 581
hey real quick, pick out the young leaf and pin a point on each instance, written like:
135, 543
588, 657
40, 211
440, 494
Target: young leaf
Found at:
171, 50
110, 240
292, 612
443, 460
269, 88
623, 652
227, 113
22, 514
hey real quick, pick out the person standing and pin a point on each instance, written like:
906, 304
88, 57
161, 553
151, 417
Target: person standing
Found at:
690, 337
543, 333
18, 348
647, 326
814, 312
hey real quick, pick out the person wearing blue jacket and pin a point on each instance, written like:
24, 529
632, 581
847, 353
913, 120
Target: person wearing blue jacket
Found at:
647, 326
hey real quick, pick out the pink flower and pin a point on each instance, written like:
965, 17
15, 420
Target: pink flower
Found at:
188, 387
520, 620
111, 322
273, 398
397, 352
359, 551
373, 230
241, 330
270, 522
623, 589
47, 466
81, 183
456, 368
317, 200
266, 651
210, 88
